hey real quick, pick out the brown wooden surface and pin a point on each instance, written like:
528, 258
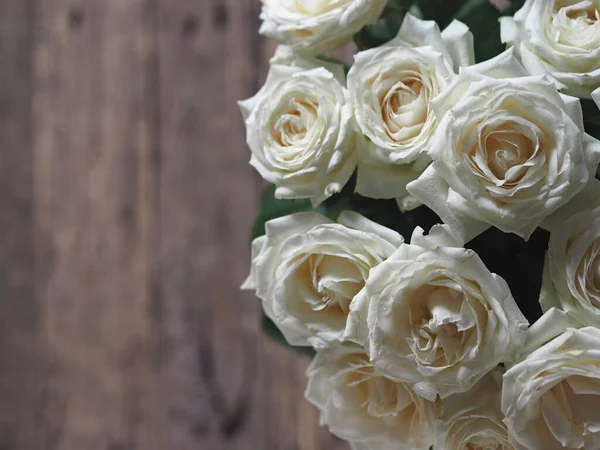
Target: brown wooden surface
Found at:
126, 203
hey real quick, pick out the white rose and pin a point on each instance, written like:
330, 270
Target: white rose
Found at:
316, 26
508, 152
560, 38
473, 420
572, 267
300, 129
434, 316
307, 269
361, 406
551, 399
390, 89
596, 97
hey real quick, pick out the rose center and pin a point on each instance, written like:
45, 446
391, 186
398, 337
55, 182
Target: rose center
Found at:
507, 149
404, 108
335, 281
577, 26
292, 125
582, 13
440, 324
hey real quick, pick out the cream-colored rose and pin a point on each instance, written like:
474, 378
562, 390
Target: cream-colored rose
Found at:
307, 269
473, 420
391, 88
434, 316
316, 26
300, 129
361, 406
560, 38
551, 399
572, 267
508, 152
596, 97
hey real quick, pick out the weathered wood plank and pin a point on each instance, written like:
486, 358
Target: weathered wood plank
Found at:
208, 197
18, 314
95, 115
229, 387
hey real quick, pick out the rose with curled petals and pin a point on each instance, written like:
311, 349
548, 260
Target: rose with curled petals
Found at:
432, 315
308, 268
560, 38
365, 408
551, 399
509, 151
312, 27
474, 420
391, 88
300, 129
572, 268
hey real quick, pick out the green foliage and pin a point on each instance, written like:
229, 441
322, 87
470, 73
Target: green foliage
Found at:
480, 15
271, 208
442, 11
378, 34
591, 117
482, 18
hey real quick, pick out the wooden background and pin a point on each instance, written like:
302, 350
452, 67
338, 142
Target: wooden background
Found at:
126, 200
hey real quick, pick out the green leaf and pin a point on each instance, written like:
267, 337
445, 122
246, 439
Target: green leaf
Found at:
590, 110
271, 208
442, 11
482, 18
386, 29
273, 332
371, 36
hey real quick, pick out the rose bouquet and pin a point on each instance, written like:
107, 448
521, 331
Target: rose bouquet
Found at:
432, 230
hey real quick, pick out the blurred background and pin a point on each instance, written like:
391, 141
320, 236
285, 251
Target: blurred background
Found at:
126, 203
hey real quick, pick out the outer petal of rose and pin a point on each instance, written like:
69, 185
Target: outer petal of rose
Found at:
553, 323
359, 222
596, 96
278, 230
384, 180
535, 66
518, 324
295, 223
508, 30
382, 444
438, 236
505, 65
420, 33
357, 330
408, 203
336, 182
256, 250
548, 294
573, 109
459, 44
433, 191
587, 198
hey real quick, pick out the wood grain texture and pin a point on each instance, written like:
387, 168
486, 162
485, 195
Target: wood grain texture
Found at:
228, 387
95, 115
127, 202
18, 311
